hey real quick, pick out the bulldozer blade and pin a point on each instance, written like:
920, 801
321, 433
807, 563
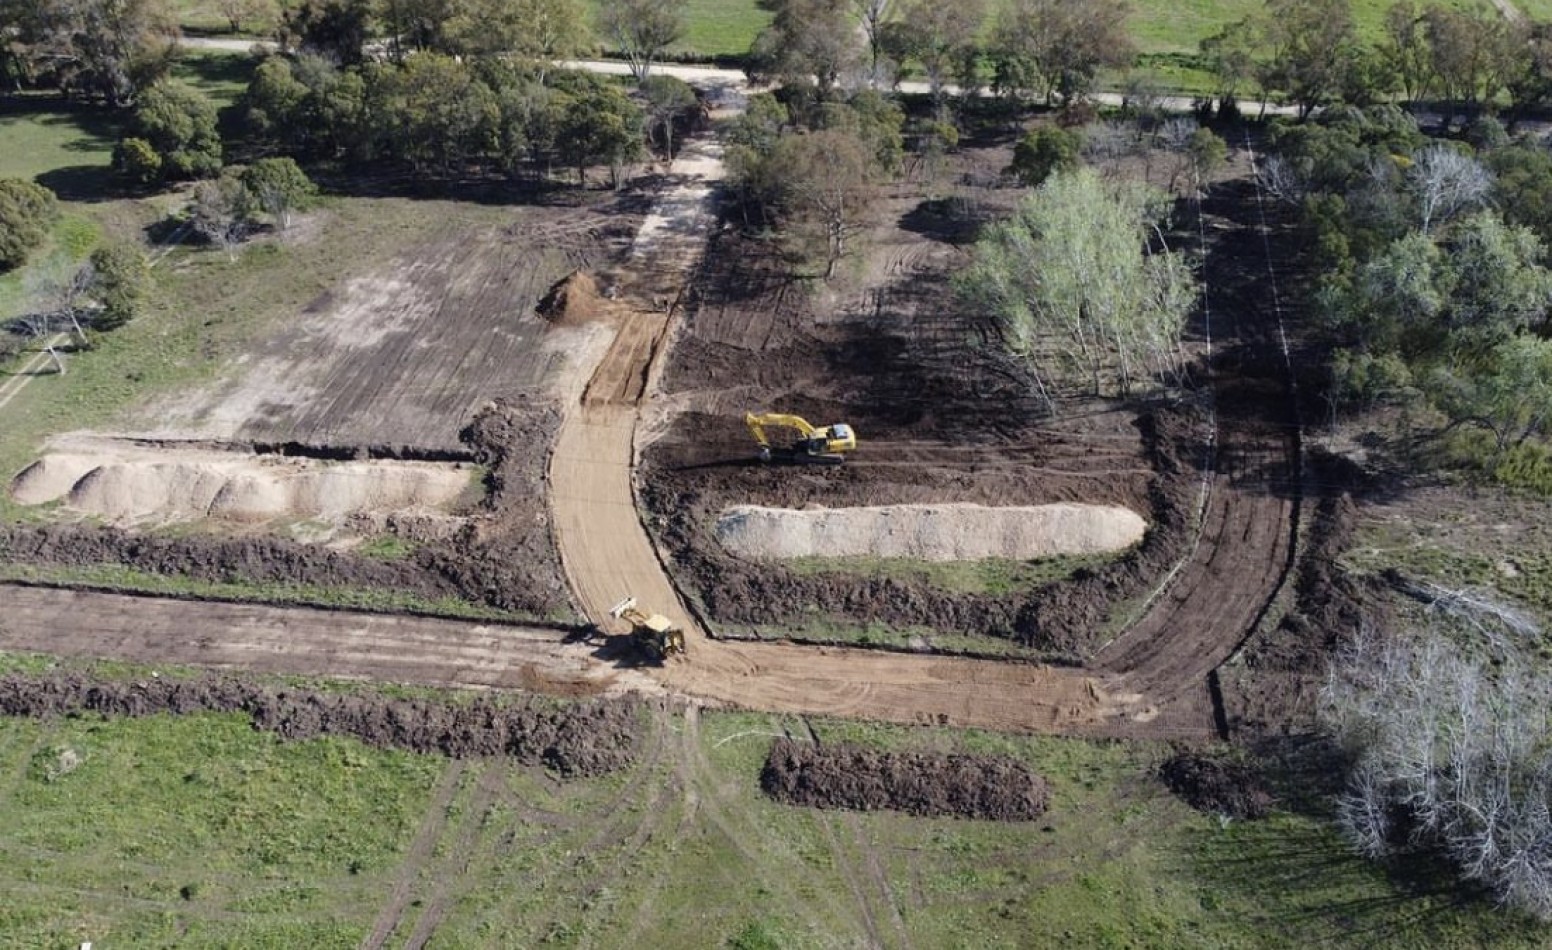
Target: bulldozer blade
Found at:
621, 607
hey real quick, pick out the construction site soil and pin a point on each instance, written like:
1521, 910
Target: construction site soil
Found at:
1217, 786
929, 784
589, 738
500, 556
911, 378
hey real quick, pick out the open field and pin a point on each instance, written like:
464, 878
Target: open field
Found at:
202, 830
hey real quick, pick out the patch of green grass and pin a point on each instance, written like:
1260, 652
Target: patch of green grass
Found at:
117, 577
386, 547
221, 75
716, 28
201, 829
994, 576
44, 133
198, 831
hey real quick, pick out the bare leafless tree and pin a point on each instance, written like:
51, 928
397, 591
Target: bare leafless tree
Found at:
1451, 736
1446, 183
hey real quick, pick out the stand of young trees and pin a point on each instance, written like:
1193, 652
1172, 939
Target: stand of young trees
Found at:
1431, 294
1083, 288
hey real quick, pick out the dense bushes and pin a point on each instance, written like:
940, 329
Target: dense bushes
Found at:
26, 211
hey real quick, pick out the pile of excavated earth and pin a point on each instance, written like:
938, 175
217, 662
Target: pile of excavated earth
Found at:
581, 739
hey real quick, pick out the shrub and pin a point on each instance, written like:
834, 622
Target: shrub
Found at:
26, 211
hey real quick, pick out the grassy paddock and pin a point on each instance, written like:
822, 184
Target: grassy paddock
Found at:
201, 830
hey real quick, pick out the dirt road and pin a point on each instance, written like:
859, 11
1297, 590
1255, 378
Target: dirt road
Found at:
608, 556
280, 640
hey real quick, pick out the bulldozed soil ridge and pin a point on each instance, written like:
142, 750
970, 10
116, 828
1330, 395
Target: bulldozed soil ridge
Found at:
1215, 785
927, 784
578, 739
501, 557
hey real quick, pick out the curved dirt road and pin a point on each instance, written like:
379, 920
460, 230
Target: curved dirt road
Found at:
608, 556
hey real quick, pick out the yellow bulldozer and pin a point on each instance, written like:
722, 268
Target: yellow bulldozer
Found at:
826, 446
657, 636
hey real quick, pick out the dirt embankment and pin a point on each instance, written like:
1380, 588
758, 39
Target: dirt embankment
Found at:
501, 556
581, 739
929, 784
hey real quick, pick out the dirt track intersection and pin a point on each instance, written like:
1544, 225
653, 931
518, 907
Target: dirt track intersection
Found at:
650, 376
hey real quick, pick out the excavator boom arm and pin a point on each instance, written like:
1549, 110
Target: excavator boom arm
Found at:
757, 423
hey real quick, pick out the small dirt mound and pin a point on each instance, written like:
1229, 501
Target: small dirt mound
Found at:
949, 532
918, 783
582, 739
573, 299
1216, 786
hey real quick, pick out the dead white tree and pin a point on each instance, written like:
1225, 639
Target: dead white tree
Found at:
1446, 183
1453, 746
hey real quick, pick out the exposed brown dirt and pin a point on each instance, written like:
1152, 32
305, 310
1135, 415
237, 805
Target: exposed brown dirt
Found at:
302, 642
590, 738
502, 556
919, 783
1217, 786
573, 299
404, 355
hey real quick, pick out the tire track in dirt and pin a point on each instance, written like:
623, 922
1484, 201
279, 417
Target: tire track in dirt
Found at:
461, 855
415, 859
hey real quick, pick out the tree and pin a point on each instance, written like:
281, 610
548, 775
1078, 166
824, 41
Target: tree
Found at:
1446, 182
238, 12
600, 126
1313, 45
272, 104
874, 14
1079, 289
1472, 56
1404, 46
1208, 152
1508, 392
668, 99
27, 211
110, 49
334, 29
177, 124
806, 41
278, 187
1232, 58
120, 280
1523, 187
1448, 733
642, 29
222, 212
433, 112
824, 182
1042, 152
537, 31
938, 36
1058, 47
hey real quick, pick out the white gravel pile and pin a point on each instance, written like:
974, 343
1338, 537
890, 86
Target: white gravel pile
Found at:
949, 532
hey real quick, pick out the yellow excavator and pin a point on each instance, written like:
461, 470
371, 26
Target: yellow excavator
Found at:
827, 446
655, 634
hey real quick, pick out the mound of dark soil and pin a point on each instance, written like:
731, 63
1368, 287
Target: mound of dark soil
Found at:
573, 299
1217, 786
918, 783
582, 739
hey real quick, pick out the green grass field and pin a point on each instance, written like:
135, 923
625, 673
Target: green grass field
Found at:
202, 831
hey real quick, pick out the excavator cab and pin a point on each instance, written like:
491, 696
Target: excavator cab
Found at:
823, 446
